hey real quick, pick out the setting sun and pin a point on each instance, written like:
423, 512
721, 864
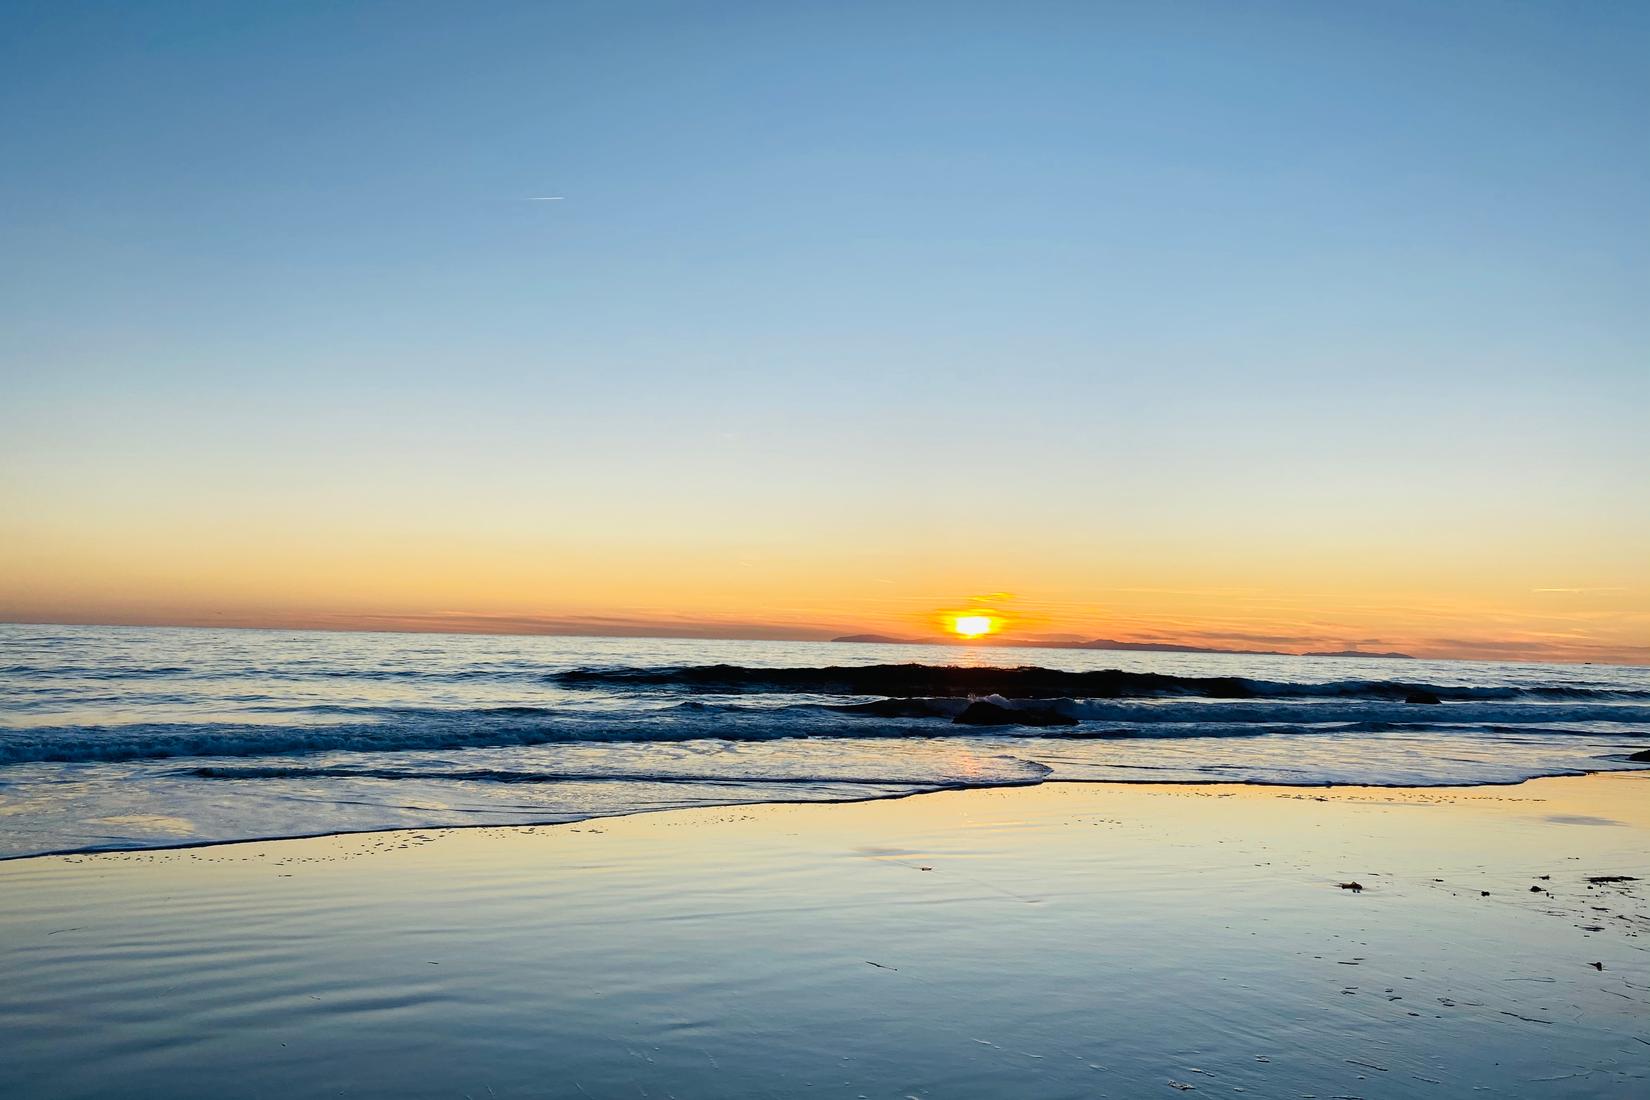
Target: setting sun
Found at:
975, 625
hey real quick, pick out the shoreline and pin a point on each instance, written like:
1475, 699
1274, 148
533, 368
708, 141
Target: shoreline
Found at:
950, 789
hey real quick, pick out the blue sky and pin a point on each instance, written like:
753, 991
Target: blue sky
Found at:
1368, 278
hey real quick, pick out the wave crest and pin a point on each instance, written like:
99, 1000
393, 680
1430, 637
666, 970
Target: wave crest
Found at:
1034, 682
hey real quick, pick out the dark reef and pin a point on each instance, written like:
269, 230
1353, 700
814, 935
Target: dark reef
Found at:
991, 714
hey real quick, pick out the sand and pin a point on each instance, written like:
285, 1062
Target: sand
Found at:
1065, 940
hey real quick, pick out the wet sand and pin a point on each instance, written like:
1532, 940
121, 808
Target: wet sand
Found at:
1064, 940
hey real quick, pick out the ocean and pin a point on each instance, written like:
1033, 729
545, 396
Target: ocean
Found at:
127, 737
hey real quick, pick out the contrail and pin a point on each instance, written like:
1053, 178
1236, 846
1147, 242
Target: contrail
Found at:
544, 198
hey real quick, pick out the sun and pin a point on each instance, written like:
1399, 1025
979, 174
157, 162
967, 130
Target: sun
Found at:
974, 624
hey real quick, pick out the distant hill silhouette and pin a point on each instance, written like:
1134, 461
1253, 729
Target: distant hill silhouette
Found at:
1136, 647
879, 639
1358, 653
1171, 647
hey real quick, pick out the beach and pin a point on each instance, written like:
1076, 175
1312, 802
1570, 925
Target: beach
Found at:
1050, 941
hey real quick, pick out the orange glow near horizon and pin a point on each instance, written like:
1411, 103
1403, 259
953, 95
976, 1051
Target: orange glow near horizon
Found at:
295, 570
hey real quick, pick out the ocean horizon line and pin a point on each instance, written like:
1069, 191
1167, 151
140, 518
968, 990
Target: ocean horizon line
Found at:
832, 638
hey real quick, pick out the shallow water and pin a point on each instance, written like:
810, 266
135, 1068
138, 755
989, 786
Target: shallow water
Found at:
129, 737
1048, 942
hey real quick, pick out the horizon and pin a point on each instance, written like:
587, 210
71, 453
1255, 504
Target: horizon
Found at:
1071, 643
1283, 328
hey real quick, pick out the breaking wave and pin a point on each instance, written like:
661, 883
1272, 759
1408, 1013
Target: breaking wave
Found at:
1032, 682
337, 727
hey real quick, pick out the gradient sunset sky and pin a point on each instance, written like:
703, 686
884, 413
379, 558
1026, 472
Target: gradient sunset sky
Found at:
1245, 325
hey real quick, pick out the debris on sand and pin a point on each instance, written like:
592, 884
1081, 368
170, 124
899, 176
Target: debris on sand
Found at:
1355, 887
1526, 1019
1597, 880
1596, 966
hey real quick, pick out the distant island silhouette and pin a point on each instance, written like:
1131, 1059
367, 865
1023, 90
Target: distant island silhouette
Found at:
1358, 653
1137, 647
875, 639
1171, 647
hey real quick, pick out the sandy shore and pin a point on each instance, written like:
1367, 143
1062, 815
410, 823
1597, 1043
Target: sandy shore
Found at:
1065, 940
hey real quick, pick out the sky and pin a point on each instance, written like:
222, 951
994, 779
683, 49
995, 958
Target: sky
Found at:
1267, 325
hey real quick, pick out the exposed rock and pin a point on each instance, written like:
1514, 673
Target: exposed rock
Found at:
981, 713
